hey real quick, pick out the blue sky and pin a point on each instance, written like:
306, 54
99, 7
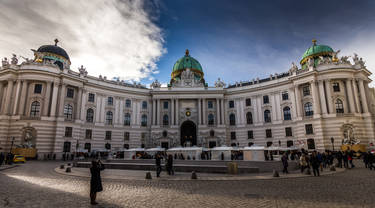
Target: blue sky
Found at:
140, 40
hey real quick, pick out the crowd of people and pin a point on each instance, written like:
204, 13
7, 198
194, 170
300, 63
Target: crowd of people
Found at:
6, 158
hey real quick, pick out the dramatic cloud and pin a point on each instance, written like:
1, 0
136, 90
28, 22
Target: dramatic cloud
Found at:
113, 38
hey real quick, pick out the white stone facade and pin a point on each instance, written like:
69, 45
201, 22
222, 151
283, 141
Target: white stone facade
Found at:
33, 97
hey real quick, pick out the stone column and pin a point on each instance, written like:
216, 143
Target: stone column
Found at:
83, 107
177, 113
255, 110
121, 114
238, 115
204, 111
153, 112
17, 97
77, 111
218, 112
273, 103
8, 98
294, 105
298, 101
329, 96
98, 107
1, 94
259, 109
222, 111
102, 109
199, 111
279, 111
62, 98
363, 96
350, 95
158, 112
172, 111
315, 98
138, 112
55, 92
47, 97
356, 96
323, 101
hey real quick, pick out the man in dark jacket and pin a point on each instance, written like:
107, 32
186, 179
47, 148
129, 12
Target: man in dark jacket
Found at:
170, 165
96, 180
158, 165
2, 157
284, 160
315, 164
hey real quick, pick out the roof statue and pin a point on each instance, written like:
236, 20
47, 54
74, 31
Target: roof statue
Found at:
293, 69
155, 84
14, 59
219, 83
82, 71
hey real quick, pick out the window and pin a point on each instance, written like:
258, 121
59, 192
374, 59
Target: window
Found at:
35, 109
285, 96
310, 144
309, 129
165, 120
110, 101
267, 116
211, 120
144, 120
339, 106
250, 144
288, 131
269, 144
90, 115
165, 104
212, 133
232, 119
306, 90
127, 119
143, 135
231, 104
68, 131
250, 135
308, 109
91, 97
66, 147
88, 147
108, 135
38, 88
248, 102
144, 105
68, 112
165, 134
128, 103
88, 134
126, 136
210, 104
249, 118
232, 135
266, 99
126, 146
70, 93
336, 87
109, 118
107, 146
289, 143
287, 115
268, 133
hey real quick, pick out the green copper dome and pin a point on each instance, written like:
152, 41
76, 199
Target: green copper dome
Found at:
316, 50
187, 62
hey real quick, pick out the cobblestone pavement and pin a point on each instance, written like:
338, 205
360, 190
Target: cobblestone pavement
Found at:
36, 184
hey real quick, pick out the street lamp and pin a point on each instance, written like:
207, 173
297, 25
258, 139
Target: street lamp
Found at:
332, 141
11, 146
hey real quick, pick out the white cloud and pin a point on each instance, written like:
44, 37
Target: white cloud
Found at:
113, 38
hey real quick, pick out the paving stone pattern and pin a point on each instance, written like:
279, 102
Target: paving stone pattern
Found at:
36, 184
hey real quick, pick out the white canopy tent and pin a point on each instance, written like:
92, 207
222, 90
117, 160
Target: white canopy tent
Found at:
191, 152
253, 153
223, 152
129, 153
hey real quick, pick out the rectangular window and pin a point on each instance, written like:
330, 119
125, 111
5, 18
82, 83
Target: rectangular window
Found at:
285, 96
232, 135
108, 135
91, 97
248, 101
70, 93
309, 129
210, 105
231, 104
288, 131
38, 88
165, 104
126, 136
88, 134
68, 131
268, 133
266, 99
128, 103
250, 135
110, 101
306, 90
336, 87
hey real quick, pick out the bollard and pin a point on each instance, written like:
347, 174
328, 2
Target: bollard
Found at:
68, 170
276, 173
148, 175
61, 166
194, 175
332, 168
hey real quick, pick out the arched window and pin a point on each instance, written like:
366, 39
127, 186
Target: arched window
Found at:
144, 105
68, 111
66, 147
249, 118
107, 146
232, 119
308, 109
267, 116
90, 115
144, 120
165, 120
109, 118
211, 119
35, 109
310, 144
128, 103
287, 115
127, 119
339, 106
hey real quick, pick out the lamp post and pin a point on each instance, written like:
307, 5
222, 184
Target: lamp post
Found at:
11, 146
332, 141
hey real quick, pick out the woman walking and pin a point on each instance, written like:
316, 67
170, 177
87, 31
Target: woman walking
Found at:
96, 181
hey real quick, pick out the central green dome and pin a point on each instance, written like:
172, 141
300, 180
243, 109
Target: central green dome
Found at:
315, 51
186, 62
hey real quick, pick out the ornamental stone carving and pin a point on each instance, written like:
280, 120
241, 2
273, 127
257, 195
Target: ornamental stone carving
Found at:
219, 83
14, 60
5, 62
155, 84
188, 80
82, 71
293, 69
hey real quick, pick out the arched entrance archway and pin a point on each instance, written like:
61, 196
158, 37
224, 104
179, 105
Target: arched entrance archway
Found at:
188, 133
